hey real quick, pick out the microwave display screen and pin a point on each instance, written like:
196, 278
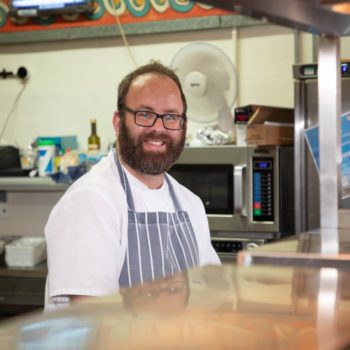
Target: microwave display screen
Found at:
212, 183
262, 164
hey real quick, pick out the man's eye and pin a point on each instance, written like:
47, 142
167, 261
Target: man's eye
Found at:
171, 117
144, 115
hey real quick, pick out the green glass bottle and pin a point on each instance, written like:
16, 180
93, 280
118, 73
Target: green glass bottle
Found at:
93, 140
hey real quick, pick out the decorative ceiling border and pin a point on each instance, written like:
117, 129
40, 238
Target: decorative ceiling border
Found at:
161, 16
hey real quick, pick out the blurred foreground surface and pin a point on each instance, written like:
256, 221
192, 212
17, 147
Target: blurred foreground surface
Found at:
214, 307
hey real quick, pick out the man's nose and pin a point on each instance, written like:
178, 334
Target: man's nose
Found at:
158, 124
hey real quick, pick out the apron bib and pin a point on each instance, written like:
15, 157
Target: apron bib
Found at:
159, 243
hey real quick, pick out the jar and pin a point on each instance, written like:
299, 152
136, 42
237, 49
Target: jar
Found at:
46, 152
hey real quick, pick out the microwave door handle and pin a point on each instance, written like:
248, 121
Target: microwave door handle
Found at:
238, 178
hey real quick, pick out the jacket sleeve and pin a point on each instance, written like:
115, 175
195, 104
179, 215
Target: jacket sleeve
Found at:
85, 237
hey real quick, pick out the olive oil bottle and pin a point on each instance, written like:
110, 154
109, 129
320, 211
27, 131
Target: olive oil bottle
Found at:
93, 140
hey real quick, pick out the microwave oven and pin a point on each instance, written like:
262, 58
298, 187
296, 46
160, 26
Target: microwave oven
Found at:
247, 192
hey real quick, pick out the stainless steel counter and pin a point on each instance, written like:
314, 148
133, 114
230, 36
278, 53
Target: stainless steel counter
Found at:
322, 248
214, 307
25, 204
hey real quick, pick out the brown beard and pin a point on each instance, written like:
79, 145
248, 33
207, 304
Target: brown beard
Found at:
150, 163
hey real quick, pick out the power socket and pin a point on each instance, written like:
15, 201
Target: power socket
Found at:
4, 210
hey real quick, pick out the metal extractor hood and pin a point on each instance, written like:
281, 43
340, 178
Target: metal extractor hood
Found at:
328, 17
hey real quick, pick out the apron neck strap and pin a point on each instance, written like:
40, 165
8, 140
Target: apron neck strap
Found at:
124, 181
126, 186
173, 195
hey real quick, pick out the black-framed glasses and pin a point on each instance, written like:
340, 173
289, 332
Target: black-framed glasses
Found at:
148, 118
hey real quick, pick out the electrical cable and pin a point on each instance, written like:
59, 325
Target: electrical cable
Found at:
11, 111
125, 41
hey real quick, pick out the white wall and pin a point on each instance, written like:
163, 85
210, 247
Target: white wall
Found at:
345, 48
72, 81
266, 56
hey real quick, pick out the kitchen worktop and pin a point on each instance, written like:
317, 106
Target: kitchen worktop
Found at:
319, 248
213, 307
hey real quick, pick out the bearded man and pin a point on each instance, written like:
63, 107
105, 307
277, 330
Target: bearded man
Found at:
128, 222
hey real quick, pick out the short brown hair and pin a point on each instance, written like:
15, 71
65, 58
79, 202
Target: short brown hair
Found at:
153, 67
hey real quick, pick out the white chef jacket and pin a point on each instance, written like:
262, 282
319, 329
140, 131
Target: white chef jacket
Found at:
86, 233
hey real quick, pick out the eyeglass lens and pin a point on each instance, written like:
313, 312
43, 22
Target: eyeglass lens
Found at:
148, 119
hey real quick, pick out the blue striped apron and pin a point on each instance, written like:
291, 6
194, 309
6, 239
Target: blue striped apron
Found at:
159, 243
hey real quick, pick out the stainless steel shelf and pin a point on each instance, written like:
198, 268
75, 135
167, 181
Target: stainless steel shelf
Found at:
30, 184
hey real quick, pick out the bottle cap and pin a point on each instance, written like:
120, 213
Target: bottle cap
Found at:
44, 142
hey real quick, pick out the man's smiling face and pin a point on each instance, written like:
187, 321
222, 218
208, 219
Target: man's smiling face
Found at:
151, 150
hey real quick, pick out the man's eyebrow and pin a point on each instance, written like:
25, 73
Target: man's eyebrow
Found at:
151, 109
145, 107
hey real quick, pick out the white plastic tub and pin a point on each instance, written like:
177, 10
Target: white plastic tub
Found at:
25, 252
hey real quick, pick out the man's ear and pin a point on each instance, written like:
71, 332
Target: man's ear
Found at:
116, 122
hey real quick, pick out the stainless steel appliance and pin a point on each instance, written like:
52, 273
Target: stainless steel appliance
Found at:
329, 17
307, 180
247, 193
330, 20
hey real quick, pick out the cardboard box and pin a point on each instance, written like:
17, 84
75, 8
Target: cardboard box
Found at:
270, 126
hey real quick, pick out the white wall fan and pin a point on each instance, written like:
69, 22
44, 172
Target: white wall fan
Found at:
209, 81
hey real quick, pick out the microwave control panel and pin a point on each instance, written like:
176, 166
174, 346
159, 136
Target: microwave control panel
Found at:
263, 191
227, 248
